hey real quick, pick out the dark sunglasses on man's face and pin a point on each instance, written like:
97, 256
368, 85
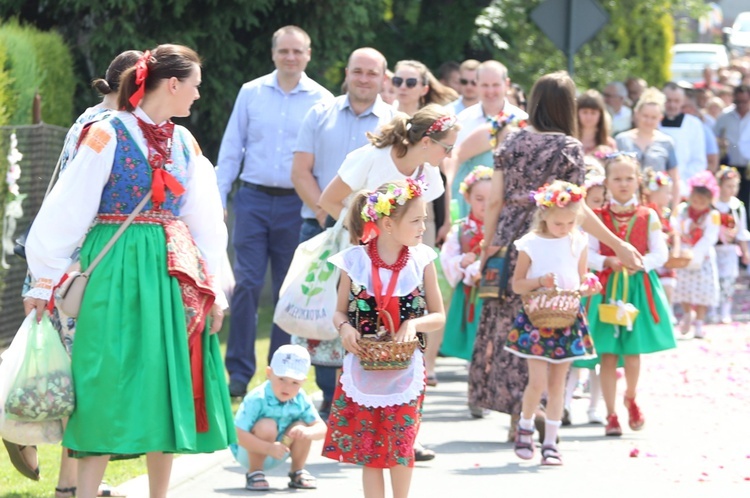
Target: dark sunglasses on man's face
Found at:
398, 81
467, 82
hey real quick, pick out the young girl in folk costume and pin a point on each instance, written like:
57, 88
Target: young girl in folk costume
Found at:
552, 254
733, 237
388, 286
651, 330
656, 190
595, 198
459, 259
698, 224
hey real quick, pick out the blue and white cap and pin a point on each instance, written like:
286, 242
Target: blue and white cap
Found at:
291, 361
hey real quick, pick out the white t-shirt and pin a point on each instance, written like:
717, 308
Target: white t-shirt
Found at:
559, 256
369, 167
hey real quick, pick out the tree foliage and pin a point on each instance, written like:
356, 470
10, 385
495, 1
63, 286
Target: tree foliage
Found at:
635, 42
233, 38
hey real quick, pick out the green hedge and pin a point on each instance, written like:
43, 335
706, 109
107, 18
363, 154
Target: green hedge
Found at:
37, 61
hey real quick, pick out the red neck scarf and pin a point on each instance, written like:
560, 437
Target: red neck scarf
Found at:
159, 141
475, 241
387, 308
696, 228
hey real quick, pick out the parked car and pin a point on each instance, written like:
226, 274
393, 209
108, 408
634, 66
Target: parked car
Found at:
689, 59
738, 36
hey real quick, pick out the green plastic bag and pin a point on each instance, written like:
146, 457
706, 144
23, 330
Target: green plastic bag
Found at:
43, 387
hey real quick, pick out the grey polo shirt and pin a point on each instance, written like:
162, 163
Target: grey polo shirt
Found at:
731, 126
331, 130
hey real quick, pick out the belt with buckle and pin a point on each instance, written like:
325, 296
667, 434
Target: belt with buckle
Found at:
274, 191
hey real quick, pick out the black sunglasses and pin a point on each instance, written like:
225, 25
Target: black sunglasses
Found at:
467, 82
398, 81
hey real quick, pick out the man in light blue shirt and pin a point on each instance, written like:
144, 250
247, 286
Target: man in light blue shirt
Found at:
329, 132
468, 87
257, 147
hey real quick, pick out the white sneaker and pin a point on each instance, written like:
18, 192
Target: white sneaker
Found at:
726, 312
698, 331
595, 418
686, 322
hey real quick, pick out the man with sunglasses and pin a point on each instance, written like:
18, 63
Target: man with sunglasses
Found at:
257, 147
329, 132
468, 87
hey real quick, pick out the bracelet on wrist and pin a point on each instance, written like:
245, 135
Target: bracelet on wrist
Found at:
338, 327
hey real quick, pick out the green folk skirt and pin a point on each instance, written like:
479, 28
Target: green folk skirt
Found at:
460, 333
131, 367
649, 334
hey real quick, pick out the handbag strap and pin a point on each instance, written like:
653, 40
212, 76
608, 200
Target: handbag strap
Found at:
118, 233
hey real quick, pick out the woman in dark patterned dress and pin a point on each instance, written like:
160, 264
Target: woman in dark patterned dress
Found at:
526, 160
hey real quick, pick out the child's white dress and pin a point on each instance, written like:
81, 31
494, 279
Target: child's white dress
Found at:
698, 283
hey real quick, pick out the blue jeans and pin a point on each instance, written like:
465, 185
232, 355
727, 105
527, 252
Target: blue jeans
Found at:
325, 377
266, 227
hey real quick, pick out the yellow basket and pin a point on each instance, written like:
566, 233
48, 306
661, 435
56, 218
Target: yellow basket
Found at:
618, 315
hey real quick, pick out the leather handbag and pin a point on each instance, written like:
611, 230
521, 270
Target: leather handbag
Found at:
494, 281
69, 294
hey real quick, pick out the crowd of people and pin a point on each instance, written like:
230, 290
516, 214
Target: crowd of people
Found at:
624, 203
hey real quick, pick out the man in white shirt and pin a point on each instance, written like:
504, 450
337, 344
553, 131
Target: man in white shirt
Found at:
614, 97
687, 133
733, 131
493, 83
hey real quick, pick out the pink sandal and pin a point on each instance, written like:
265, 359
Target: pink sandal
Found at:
551, 456
521, 447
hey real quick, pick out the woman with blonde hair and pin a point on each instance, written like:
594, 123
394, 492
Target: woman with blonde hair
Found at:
653, 148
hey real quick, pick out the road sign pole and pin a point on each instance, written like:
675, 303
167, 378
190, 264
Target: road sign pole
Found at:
571, 29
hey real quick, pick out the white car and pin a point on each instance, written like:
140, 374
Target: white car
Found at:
738, 39
689, 60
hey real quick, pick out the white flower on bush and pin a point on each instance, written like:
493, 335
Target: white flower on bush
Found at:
13, 204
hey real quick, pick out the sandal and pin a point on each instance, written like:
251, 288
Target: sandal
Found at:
302, 479
68, 492
19, 461
550, 456
256, 481
432, 380
522, 447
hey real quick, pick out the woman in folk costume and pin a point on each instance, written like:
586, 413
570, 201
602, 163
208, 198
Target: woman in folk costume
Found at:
147, 368
651, 330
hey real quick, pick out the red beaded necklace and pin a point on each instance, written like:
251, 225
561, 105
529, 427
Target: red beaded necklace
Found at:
372, 251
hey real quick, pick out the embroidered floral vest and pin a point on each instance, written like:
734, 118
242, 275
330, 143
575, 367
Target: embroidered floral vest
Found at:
363, 315
638, 235
130, 178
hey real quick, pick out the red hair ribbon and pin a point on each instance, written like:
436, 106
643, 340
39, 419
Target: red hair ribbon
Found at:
369, 232
141, 73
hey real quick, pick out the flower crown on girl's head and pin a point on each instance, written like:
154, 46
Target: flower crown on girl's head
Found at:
593, 180
659, 180
726, 172
441, 124
380, 204
705, 179
477, 174
499, 123
559, 194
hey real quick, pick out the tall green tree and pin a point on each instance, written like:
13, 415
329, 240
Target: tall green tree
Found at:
232, 36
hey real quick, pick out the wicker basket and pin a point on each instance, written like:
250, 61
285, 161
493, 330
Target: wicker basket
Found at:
676, 261
552, 308
385, 354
